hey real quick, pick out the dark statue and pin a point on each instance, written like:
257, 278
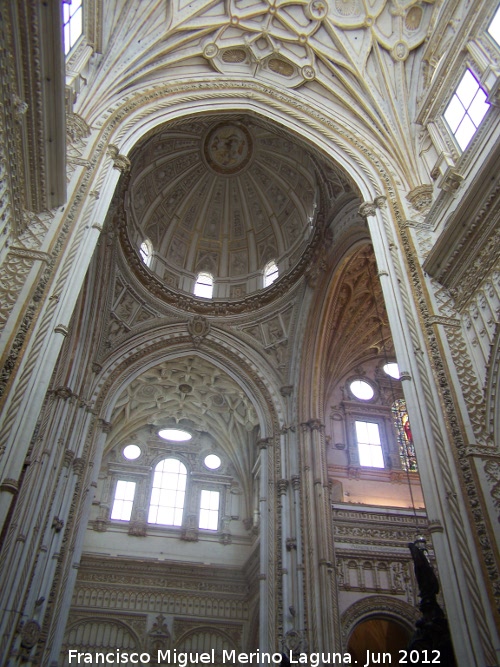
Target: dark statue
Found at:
432, 632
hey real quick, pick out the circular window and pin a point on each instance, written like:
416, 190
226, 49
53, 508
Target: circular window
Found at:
175, 434
362, 390
212, 461
132, 452
392, 369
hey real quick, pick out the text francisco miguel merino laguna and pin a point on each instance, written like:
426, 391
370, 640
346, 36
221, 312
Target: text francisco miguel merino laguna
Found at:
183, 659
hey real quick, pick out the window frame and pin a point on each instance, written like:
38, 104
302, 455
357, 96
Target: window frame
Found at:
494, 18
380, 446
117, 481
210, 490
72, 46
468, 69
175, 508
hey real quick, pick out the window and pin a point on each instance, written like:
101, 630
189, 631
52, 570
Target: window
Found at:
212, 461
131, 452
270, 273
403, 433
204, 286
209, 510
146, 252
169, 490
174, 434
392, 369
466, 109
369, 445
73, 23
124, 499
361, 390
494, 27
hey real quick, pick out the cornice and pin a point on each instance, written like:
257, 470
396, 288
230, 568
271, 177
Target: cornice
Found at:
468, 230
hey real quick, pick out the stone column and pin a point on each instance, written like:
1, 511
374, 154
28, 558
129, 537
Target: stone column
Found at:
463, 588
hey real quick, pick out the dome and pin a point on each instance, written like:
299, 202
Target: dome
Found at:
224, 196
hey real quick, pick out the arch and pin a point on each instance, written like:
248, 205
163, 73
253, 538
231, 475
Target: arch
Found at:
101, 633
140, 353
312, 374
378, 606
331, 134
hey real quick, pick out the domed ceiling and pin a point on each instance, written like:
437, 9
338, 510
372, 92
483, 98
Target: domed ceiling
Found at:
225, 195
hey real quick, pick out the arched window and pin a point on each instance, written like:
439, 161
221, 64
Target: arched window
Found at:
204, 286
270, 273
73, 23
168, 493
146, 251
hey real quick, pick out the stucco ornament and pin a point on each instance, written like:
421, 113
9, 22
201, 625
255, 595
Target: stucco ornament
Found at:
294, 42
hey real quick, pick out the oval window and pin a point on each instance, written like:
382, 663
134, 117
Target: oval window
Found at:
131, 452
392, 369
212, 461
362, 390
175, 434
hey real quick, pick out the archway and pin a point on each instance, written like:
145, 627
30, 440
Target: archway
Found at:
378, 640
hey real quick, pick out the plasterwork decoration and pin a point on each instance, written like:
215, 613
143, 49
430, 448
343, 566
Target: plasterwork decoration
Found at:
187, 605
492, 470
358, 317
14, 270
471, 344
378, 573
30, 634
77, 133
421, 197
198, 328
12, 183
317, 39
465, 466
159, 636
377, 605
228, 148
91, 632
215, 403
120, 162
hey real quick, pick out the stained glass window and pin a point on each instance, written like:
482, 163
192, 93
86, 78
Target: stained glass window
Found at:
403, 432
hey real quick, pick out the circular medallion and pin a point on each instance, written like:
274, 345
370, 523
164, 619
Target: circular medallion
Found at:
228, 148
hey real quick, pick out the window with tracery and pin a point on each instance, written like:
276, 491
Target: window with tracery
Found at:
72, 22
168, 493
404, 436
204, 286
